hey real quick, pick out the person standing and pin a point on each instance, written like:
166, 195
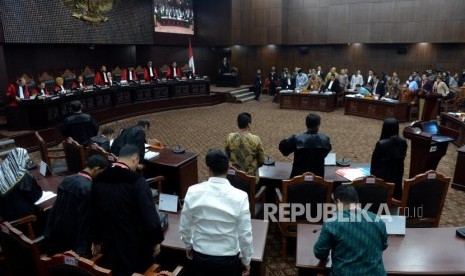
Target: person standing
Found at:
79, 126
310, 148
150, 73
125, 224
68, 222
258, 85
387, 160
215, 223
301, 80
244, 149
356, 238
273, 78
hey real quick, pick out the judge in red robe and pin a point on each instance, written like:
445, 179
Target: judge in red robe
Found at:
150, 73
129, 75
101, 77
59, 88
79, 83
41, 90
173, 72
17, 92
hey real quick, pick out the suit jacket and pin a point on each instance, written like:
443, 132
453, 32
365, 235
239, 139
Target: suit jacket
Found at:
170, 72
125, 75
427, 86
273, 78
380, 88
336, 87
13, 91
224, 68
147, 76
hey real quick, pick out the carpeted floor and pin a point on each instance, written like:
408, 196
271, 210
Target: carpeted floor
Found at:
201, 129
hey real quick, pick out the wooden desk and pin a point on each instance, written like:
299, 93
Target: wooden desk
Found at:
259, 232
319, 102
180, 170
459, 174
376, 109
422, 251
454, 123
228, 80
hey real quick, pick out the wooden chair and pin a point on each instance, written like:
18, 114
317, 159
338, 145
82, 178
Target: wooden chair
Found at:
423, 199
163, 71
306, 189
140, 72
266, 86
48, 155
21, 253
155, 184
186, 70
48, 80
96, 149
68, 77
88, 76
374, 191
117, 74
75, 155
248, 184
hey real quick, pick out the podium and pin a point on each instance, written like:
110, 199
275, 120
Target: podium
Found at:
428, 106
459, 174
425, 152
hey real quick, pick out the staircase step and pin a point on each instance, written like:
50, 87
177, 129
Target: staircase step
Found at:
247, 99
245, 95
240, 91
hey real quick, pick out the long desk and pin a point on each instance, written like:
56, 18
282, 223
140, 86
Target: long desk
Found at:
377, 109
421, 251
318, 102
454, 123
112, 103
180, 170
173, 243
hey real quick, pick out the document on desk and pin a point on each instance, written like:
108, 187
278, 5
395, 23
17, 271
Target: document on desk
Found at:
330, 159
395, 225
353, 173
45, 196
168, 203
150, 154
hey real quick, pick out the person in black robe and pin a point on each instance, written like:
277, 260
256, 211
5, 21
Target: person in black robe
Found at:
125, 224
135, 135
18, 188
310, 148
104, 139
79, 126
387, 161
68, 222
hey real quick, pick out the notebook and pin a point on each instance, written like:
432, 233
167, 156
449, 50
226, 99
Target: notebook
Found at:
330, 159
395, 225
168, 203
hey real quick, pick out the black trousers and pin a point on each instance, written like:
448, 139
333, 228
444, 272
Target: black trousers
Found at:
203, 264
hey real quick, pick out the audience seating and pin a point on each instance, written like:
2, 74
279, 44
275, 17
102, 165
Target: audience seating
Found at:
21, 253
248, 184
306, 189
46, 155
423, 199
373, 190
75, 155
96, 149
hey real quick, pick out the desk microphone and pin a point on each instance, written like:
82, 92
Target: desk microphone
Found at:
178, 149
268, 161
343, 162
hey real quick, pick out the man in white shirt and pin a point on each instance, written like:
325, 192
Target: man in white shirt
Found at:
357, 78
215, 223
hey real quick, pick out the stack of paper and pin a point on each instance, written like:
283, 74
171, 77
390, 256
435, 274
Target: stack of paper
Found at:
395, 225
352, 174
150, 154
45, 196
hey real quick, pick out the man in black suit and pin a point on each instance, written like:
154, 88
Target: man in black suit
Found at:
224, 66
378, 86
273, 78
79, 126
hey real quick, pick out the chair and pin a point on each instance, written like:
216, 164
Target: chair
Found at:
186, 70
56, 168
48, 80
75, 155
423, 199
448, 105
310, 191
163, 71
266, 86
248, 184
68, 77
140, 72
117, 74
88, 75
96, 149
374, 191
155, 184
69, 263
21, 253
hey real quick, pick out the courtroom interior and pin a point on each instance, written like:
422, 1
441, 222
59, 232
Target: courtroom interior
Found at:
117, 119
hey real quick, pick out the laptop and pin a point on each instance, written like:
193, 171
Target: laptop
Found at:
432, 128
395, 225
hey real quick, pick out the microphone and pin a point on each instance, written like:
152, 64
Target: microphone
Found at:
268, 161
343, 162
178, 149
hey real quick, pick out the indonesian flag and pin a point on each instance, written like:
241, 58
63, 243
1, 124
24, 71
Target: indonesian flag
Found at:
191, 58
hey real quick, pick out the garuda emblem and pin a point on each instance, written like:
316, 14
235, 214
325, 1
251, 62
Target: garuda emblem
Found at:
90, 10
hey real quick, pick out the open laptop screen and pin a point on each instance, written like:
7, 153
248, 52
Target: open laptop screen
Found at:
431, 128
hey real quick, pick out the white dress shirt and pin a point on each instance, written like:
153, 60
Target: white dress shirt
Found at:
215, 220
130, 75
330, 85
175, 74
105, 79
151, 72
21, 92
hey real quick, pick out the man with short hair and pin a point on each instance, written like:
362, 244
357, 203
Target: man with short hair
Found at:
104, 139
215, 223
125, 223
17, 92
150, 73
244, 149
301, 80
356, 238
68, 226
356, 78
310, 148
79, 126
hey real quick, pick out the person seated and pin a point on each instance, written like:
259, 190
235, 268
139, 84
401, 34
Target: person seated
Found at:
68, 222
19, 189
104, 139
224, 66
129, 75
150, 73
101, 77
332, 85
407, 96
79, 83
174, 72
387, 160
392, 90
59, 88
315, 83
41, 90
17, 92
362, 90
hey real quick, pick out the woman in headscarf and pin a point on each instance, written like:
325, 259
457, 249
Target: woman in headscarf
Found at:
387, 161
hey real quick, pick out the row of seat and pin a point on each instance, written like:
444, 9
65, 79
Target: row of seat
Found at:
22, 255
425, 192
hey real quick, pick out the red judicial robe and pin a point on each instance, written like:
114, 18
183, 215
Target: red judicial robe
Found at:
170, 72
125, 75
101, 79
13, 91
77, 85
38, 92
147, 76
